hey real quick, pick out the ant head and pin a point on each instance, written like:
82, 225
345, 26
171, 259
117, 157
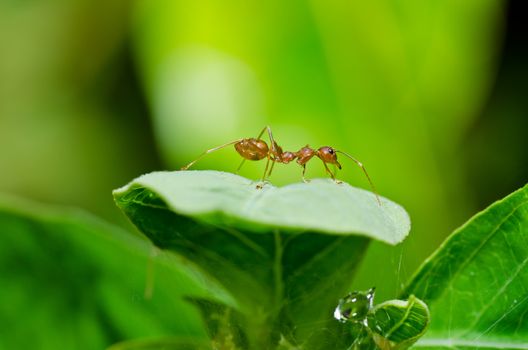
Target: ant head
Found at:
328, 155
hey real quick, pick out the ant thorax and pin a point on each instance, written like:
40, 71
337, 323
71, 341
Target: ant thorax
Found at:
305, 154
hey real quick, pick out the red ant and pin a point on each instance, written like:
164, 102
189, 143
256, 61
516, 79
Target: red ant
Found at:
257, 149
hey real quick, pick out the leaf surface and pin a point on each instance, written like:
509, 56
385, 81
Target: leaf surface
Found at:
285, 255
476, 284
171, 343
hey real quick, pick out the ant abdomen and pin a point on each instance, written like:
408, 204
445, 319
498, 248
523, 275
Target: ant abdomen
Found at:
252, 149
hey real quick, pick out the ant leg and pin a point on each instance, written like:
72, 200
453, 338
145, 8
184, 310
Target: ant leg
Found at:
268, 129
332, 175
335, 172
262, 132
272, 141
209, 151
271, 150
303, 172
366, 174
240, 166
265, 170
270, 135
271, 169
263, 179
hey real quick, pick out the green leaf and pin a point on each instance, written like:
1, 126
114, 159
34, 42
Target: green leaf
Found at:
475, 284
171, 343
398, 324
223, 323
71, 281
225, 199
285, 255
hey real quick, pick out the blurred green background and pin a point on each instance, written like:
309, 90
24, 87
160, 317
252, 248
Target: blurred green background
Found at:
429, 95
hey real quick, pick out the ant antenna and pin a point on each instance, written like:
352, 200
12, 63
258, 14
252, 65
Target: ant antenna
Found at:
366, 174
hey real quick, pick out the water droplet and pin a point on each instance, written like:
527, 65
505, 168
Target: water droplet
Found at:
355, 307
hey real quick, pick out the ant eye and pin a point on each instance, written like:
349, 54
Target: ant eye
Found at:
331, 151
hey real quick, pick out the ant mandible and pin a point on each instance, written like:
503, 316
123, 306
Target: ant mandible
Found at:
257, 149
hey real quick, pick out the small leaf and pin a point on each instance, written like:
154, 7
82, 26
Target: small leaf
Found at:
285, 254
475, 284
398, 324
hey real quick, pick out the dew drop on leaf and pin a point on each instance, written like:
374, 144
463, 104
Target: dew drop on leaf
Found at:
355, 307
